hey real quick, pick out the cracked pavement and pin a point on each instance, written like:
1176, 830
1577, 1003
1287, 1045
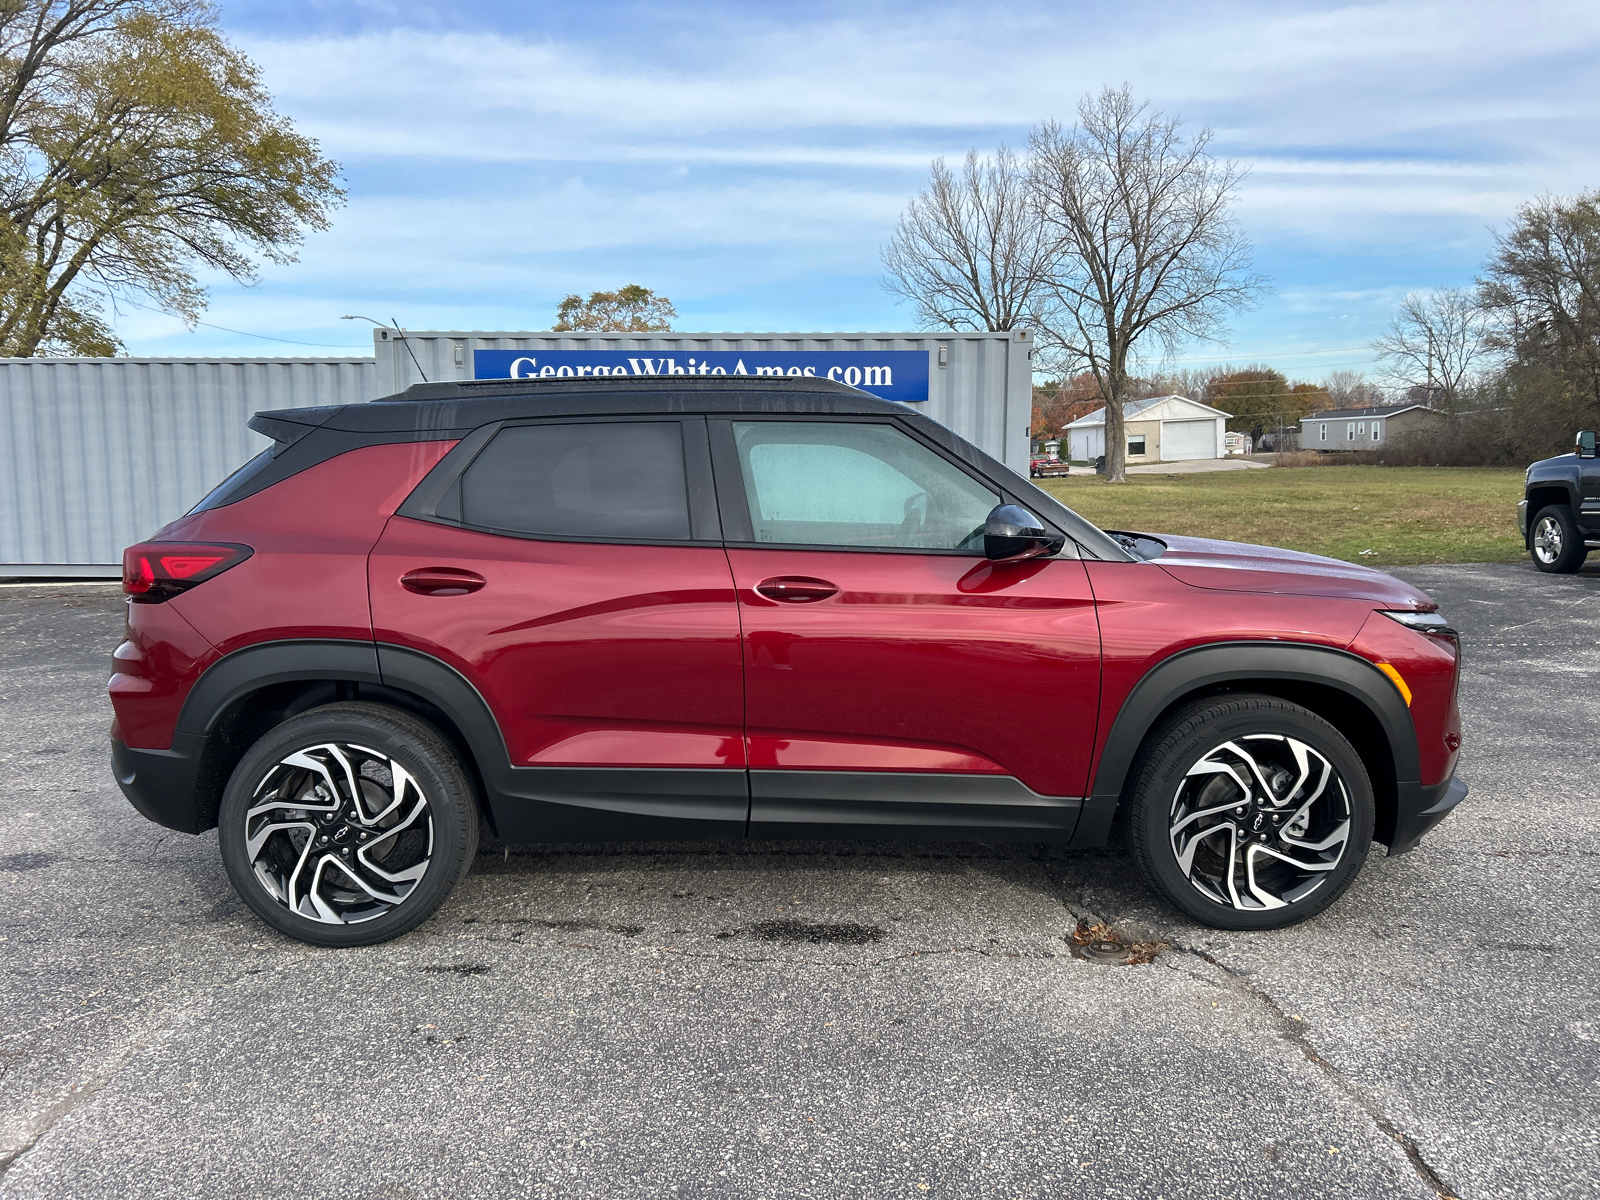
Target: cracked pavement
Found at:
821, 1019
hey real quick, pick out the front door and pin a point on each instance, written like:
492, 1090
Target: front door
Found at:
897, 683
575, 576
1589, 505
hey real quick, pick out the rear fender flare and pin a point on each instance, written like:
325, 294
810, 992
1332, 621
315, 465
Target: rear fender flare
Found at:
1238, 665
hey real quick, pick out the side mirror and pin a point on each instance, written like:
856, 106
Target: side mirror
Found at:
1585, 443
1012, 533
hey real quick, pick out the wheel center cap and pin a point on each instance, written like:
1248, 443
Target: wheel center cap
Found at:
1258, 823
342, 834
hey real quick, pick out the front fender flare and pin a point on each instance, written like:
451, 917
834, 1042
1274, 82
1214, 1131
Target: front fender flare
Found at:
1225, 666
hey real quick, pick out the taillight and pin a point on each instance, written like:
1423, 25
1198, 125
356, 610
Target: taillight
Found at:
157, 571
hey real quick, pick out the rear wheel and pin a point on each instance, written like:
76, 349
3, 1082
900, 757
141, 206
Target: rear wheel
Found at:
1555, 541
1250, 812
348, 824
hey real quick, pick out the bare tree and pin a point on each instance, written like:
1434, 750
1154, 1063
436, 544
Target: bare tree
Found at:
1351, 389
1142, 241
1541, 288
966, 251
1436, 343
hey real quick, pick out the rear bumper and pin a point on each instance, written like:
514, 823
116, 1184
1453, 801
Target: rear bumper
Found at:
1421, 808
161, 783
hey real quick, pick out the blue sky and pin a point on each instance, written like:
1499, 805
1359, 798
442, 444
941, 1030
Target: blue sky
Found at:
749, 160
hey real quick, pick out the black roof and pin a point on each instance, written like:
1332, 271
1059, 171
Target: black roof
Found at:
1382, 410
465, 405
446, 410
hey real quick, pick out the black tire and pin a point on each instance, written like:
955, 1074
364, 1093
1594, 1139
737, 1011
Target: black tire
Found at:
1555, 542
431, 829
1168, 799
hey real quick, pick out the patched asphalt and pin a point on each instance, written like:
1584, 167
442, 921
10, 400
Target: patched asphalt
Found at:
828, 1020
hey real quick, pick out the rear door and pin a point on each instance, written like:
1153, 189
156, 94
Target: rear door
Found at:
573, 572
898, 683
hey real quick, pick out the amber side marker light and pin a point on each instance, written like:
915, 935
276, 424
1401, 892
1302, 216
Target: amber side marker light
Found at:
157, 571
1399, 680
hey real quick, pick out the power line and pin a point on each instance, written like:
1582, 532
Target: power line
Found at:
243, 332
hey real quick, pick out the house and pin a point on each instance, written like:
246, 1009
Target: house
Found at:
1363, 428
1162, 429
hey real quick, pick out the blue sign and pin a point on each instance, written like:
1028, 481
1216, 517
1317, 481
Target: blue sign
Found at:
889, 374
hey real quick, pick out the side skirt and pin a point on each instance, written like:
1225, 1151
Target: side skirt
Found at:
908, 806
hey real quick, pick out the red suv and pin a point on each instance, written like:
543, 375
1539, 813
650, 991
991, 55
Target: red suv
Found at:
796, 612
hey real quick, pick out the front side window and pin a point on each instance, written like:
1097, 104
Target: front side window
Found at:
1136, 444
608, 480
822, 483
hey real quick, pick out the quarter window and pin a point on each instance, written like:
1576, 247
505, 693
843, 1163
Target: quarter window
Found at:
821, 483
610, 480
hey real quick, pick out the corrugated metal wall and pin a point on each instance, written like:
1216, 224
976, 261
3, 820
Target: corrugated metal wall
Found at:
97, 453
983, 391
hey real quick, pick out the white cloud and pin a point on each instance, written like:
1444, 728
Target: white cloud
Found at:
753, 147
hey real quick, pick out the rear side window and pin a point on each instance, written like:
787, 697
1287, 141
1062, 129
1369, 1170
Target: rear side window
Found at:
614, 480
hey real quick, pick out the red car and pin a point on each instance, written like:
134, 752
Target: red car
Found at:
1042, 465
799, 612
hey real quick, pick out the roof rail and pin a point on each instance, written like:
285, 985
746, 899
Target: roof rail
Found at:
467, 389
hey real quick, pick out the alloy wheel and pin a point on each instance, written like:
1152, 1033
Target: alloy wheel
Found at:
338, 833
1259, 822
1548, 541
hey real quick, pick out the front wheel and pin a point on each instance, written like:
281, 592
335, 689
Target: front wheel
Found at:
1249, 812
1555, 541
348, 824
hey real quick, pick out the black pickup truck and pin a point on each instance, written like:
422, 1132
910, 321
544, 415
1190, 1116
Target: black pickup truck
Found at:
1560, 511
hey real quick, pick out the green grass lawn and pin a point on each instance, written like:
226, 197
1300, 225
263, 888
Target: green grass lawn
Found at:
1404, 515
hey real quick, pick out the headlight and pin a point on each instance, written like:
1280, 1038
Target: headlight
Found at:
1423, 622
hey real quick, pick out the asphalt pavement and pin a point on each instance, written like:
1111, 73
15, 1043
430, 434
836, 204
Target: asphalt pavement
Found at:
827, 1020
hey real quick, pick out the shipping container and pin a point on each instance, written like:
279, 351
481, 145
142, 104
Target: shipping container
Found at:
978, 384
99, 453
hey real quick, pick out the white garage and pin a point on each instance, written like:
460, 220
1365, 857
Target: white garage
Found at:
1161, 429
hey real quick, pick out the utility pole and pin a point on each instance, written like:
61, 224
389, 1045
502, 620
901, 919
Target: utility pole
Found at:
1430, 369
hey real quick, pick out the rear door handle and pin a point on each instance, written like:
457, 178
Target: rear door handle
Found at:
441, 581
796, 589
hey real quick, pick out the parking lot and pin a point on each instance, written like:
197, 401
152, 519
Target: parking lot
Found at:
812, 1020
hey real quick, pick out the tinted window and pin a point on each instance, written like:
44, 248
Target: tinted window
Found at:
607, 480
852, 484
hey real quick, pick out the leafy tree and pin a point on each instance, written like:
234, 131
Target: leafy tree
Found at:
1142, 242
1541, 290
1061, 401
1436, 344
137, 147
1258, 397
968, 250
632, 309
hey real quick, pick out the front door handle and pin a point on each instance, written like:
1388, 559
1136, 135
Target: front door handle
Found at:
796, 589
441, 581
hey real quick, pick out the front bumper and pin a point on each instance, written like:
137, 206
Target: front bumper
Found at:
1421, 808
163, 784
1522, 518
